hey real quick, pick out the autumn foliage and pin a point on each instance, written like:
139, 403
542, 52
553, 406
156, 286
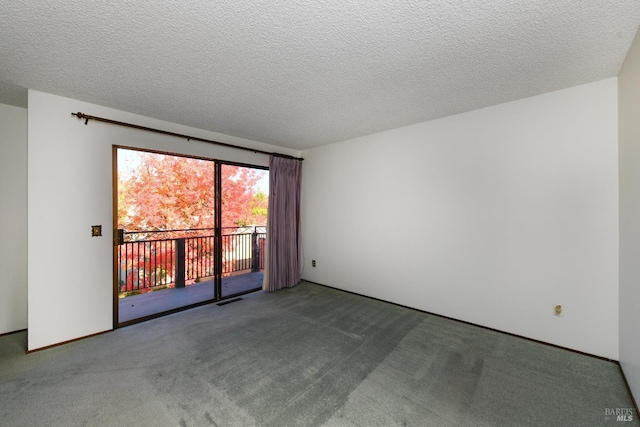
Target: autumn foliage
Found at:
158, 193
164, 192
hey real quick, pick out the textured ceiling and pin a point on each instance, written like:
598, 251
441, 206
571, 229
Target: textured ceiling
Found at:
306, 73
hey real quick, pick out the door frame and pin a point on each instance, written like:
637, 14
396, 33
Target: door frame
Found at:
217, 295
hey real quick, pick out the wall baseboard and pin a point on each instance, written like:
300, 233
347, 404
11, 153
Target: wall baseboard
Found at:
472, 324
67, 342
626, 383
13, 332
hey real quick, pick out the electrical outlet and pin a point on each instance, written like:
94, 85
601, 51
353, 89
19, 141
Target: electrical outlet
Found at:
557, 310
313, 263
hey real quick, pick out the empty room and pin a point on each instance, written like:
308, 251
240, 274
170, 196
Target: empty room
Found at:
437, 202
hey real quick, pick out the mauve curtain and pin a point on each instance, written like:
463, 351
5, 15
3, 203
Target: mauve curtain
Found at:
283, 224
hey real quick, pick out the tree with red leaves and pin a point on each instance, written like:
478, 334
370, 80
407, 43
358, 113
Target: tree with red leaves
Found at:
164, 192
161, 192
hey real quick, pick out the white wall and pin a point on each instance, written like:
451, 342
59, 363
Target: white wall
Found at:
629, 116
13, 218
491, 216
69, 190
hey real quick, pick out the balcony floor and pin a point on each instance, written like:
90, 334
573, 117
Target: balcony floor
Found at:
149, 303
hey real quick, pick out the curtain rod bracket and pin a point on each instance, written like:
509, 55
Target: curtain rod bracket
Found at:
79, 115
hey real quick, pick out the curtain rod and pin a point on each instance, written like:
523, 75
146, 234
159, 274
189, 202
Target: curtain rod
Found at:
87, 117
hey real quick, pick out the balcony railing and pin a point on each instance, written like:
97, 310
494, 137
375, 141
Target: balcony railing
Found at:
150, 260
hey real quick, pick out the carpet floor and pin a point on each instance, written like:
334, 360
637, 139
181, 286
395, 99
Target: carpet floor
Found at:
305, 356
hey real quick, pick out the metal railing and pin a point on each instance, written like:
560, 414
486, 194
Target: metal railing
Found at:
150, 260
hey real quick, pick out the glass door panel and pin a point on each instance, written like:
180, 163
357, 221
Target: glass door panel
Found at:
244, 201
164, 253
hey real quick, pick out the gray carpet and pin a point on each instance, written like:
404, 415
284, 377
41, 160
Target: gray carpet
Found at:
306, 356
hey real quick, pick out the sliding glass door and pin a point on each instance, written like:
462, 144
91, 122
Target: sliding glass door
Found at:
188, 231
